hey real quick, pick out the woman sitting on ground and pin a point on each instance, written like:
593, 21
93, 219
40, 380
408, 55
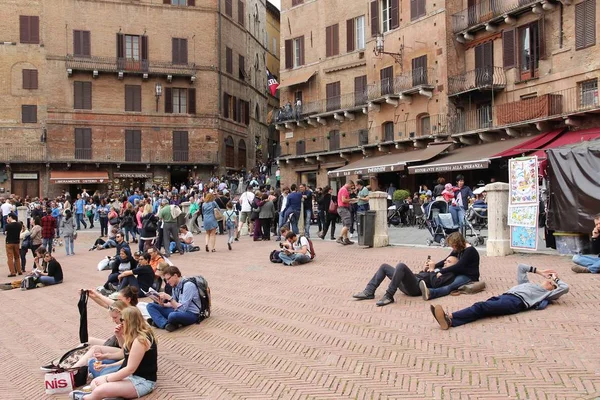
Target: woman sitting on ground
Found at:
126, 263
140, 277
110, 242
137, 375
52, 273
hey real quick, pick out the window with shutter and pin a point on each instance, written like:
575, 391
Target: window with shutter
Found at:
417, 9
374, 17
29, 29
179, 51
81, 43
229, 60
30, 79
247, 112
241, 13
234, 104
588, 93
394, 14
363, 137
180, 146
332, 45
191, 98
242, 67
168, 100
226, 105
388, 131
529, 48
289, 54
359, 35
229, 152
328, 40
387, 80
350, 35
29, 114
83, 144
179, 100
229, 8
333, 92
133, 145
133, 98
585, 24
82, 93
360, 90
508, 48
386, 15
299, 51
242, 154
419, 71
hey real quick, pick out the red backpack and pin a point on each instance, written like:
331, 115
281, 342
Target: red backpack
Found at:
311, 248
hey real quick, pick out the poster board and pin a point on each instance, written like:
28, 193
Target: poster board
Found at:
523, 203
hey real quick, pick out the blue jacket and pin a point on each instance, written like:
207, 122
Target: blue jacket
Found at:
79, 205
294, 202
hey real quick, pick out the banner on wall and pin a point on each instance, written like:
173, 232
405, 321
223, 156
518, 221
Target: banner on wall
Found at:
523, 203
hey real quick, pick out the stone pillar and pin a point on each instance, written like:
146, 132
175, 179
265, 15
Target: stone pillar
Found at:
185, 210
498, 242
378, 203
22, 214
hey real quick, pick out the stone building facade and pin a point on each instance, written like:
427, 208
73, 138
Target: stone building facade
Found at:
111, 94
273, 50
383, 82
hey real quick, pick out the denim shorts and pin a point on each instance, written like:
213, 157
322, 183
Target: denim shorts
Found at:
142, 386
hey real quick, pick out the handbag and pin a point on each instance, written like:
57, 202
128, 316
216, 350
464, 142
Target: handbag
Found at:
60, 381
218, 214
114, 221
333, 207
74, 235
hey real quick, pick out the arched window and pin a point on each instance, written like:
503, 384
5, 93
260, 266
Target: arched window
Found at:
423, 125
387, 131
229, 152
242, 154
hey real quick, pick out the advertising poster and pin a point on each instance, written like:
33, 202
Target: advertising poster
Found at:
523, 203
523, 238
526, 216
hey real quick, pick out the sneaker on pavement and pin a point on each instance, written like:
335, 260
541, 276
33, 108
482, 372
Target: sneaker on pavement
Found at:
441, 317
114, 296
151, 323
171, 327
580, 270
49, 367
348, 241
340, 240
77, 394
364, 295
424, 290
384, 301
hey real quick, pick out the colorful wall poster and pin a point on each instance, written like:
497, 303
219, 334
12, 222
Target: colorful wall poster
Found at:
526, 216
523, 238
523, 181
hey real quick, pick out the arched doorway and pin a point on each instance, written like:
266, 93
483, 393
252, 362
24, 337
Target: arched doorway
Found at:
229, 152
242, 154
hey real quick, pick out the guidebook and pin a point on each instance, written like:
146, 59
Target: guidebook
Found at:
152, 294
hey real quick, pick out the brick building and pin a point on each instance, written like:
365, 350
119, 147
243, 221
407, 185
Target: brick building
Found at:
389, 86
113, 94
272, 45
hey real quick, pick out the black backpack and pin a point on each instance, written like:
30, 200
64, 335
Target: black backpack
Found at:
274, 257
204, 293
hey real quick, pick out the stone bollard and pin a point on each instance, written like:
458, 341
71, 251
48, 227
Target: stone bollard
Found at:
378, 203
22, 214
185, 210
498, 242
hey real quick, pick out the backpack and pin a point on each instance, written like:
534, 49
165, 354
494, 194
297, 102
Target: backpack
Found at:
175, 211
310, 247
149, 224
204, 293
28, 283
26, 242
274, 257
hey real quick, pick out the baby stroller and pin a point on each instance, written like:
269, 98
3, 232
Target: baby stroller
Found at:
439, 223
475, 221
396, 214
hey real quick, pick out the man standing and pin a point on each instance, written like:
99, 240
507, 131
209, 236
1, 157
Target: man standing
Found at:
6, 208
343, 210
281, 204
590, 263
462, 196
79, 210
278, 178
12, 229
169, 227
293, 208
363, 196
307, 199
245, 201
48, 229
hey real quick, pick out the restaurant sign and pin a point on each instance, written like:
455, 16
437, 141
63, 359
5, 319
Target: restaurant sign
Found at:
464, 166
78, 181
134, 175
367, 170
25, 175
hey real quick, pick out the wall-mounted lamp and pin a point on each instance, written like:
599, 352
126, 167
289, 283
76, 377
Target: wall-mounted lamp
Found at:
379, 49
157, 93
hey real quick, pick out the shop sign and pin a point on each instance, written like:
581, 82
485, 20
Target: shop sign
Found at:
368, 170
76, 181
133, 175
449, 167
25, 175
289, 135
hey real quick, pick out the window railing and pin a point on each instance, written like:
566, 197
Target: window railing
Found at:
485, 10
113, 64
330, 142
336, 103
479, 78
401, 83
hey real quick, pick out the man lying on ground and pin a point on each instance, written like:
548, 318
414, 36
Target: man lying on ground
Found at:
522, 297
590, 263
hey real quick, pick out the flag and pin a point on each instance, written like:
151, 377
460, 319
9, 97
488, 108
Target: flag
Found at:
272, 83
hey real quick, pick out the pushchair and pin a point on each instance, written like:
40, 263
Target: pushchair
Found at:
475, 221
439, 222
396, 214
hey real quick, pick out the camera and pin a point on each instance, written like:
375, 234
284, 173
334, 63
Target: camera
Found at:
281, 245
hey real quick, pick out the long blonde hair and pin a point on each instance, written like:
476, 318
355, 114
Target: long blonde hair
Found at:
147, 210
135, 328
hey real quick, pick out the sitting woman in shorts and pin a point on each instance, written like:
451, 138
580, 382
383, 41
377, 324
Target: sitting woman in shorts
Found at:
137, 375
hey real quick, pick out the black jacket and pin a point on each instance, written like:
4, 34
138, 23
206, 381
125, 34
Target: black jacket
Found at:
596, 246
147, 232
468, 264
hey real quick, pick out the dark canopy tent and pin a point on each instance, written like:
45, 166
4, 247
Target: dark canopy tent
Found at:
574, 173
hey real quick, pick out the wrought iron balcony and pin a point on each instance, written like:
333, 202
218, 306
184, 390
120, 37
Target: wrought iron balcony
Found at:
486, 78
401, 84
332, 142
484, 11
113, 64
345, 102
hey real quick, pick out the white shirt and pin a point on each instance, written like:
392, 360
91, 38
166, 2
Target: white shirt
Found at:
6, 208
301, 243
283, 202
187, 235
277, 173
246, 200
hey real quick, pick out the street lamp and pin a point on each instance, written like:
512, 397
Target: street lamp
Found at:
379, 49
158, 93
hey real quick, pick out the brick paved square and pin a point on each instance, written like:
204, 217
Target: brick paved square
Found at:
295, 332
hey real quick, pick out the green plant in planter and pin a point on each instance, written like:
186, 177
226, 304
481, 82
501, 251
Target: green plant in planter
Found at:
400, 195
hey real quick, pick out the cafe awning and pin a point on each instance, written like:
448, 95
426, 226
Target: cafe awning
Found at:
78, 177
389, 162
296, 79
468, 158
535, 143
568, 138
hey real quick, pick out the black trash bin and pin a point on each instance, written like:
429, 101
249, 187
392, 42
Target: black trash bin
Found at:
369, 228
360, 227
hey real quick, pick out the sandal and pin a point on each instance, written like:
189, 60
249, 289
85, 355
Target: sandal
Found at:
214, 250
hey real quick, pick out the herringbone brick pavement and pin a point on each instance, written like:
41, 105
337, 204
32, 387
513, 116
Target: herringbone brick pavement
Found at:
295, 332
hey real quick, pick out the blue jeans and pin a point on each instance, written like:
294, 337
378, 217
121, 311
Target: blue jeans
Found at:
47, 243
127, 230
504, 304
363, 207
458, 215
281, 223
69, 245
109, 244
4, 222
167, 315
186, 247
307, 215
48, 280
588, 261
103, 371
289, 259
446, 290
80, 220
293, 221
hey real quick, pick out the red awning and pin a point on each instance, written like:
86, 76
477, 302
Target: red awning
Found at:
568, 138
535, 143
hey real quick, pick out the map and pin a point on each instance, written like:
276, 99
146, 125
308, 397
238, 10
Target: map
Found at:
523, 238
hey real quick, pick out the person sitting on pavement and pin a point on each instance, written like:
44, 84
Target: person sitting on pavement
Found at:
295, 250
403, 279
186, 238
590, 263
524, 296
51, 274
125, 262
141, 277
138, 373
111, 242
176, 310
160, 273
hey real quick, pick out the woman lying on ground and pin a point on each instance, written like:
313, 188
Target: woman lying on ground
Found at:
137, 375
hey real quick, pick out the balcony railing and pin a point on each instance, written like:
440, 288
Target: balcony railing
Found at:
113, 64
483, 11
548, 106
400, 84
117, 155
10, 153
344, 102
479, 78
